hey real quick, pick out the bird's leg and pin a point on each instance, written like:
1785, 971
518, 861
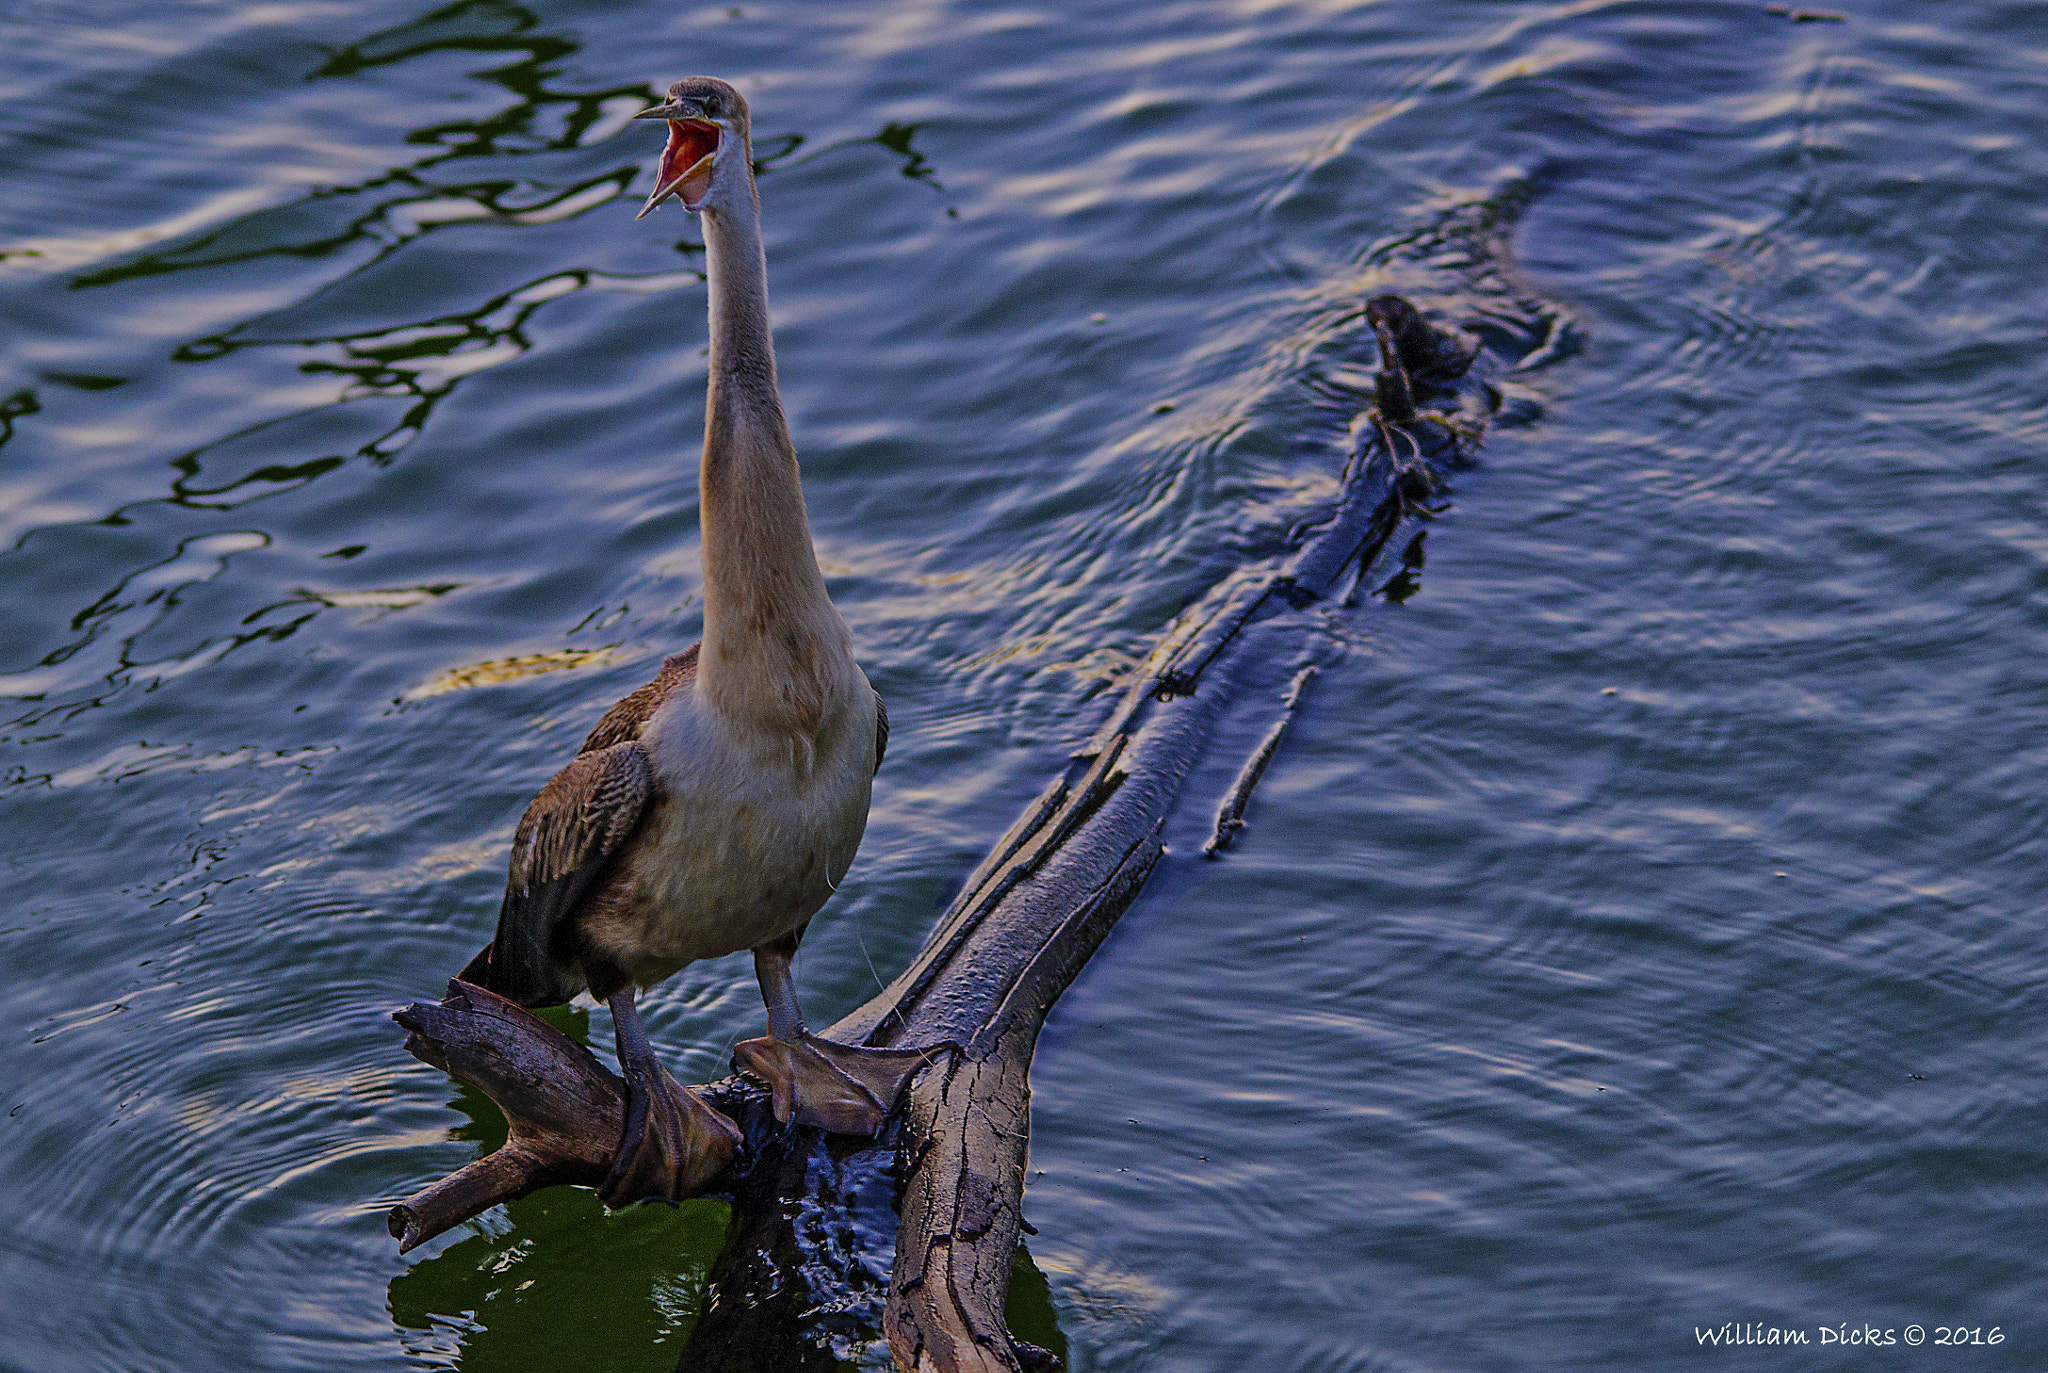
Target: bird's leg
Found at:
672, 1143
843, 1088
778, 988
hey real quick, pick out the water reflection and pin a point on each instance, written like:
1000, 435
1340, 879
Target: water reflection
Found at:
558, 1283
16, 406
553, 1280
540, 120
327, 221
383, 381
417, 365
392, 374
1030, 1313
135, 605
1787, 520
417, 362
897, 138
466, 26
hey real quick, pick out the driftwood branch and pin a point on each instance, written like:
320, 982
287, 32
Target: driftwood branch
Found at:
814, 1234
1230, 815
564, 1108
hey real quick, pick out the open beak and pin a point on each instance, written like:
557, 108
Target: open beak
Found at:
685, 167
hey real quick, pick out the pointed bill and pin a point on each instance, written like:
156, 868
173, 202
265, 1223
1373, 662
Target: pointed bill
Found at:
686, 163
674, 185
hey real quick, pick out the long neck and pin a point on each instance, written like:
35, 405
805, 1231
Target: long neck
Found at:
774, 648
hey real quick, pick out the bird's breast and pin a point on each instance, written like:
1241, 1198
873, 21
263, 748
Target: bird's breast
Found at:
747, 838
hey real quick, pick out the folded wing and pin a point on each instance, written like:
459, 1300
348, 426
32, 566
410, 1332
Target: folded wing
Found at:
580, 821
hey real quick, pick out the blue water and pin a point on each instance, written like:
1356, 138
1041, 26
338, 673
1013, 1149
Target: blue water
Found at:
1637, 934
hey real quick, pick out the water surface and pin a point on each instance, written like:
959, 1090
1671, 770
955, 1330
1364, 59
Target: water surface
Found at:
1638, 933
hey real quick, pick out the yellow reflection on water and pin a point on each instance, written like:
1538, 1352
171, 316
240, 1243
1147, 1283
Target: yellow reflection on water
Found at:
510, 669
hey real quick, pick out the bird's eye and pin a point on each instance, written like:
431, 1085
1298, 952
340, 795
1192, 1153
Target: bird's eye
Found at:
710, 103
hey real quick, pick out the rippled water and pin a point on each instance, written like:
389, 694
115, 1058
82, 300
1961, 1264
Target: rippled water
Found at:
1638, 933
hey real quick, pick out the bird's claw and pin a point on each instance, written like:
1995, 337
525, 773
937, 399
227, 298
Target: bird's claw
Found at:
841, 1088
672, 1145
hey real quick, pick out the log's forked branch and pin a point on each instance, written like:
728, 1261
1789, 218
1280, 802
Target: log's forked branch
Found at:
565, 1109
1230, 816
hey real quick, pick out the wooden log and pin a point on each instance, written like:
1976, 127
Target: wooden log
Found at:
977, 995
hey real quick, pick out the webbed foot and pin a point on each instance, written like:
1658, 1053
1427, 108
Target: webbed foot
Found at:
837, 1087
672, 1144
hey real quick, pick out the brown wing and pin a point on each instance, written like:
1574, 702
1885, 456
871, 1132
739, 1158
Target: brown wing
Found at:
581, 818
626, 719
585, 813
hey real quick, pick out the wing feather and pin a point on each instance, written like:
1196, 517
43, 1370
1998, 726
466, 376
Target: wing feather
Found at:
567, 835
626, 719
580, 820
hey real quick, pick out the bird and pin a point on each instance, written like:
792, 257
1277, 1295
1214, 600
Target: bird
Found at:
719, 806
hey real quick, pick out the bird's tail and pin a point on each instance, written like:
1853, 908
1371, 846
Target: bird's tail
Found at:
509, 979
478, 971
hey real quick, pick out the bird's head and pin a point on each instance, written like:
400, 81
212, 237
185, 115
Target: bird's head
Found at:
707, 161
